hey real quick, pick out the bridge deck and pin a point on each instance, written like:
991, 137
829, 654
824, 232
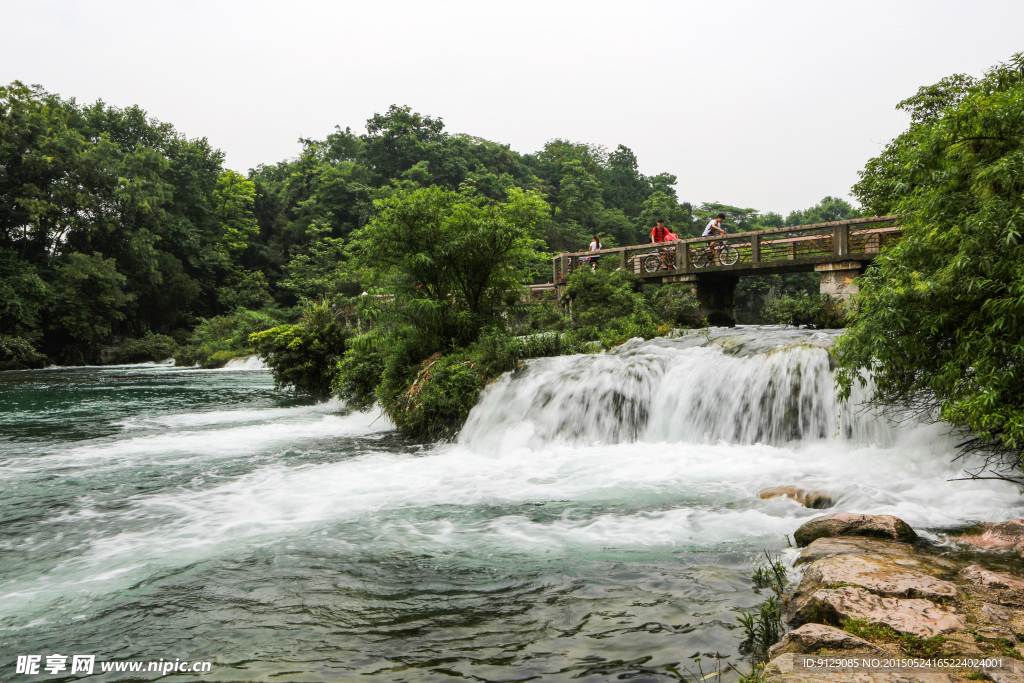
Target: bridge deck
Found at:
783, 250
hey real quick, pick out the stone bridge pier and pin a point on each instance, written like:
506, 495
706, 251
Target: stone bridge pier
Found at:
839, 279
716, 292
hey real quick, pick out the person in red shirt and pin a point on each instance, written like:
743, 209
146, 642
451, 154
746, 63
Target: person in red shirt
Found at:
659, 231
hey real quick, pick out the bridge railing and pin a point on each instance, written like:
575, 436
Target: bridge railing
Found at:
858, 239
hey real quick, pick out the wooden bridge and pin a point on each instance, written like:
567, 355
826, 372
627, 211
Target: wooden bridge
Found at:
839, 251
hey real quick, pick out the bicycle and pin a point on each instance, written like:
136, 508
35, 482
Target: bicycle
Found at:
727, 255
662, 258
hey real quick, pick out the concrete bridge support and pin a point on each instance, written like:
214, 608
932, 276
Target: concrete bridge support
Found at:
839, 279
716, 299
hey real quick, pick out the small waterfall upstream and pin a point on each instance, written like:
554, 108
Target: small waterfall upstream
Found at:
745, 387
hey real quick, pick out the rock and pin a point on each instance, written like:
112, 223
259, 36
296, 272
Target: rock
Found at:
782, 670
810, 638
849, 524
1002, 616
1002, 536
878, 574
900, 554
809, 499
979, 575
919, 617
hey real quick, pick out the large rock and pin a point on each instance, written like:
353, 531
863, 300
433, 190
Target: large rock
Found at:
809, 499
1002, 536
902, 554
878, 574
849, 524
810, 638
983, 577
782, 670
919, 617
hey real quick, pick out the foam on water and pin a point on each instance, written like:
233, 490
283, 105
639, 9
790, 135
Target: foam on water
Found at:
657, 446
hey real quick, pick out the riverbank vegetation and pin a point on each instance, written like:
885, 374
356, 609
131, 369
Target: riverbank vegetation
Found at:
939, 317
118, 232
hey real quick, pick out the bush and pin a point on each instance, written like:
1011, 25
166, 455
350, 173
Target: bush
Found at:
676, 304
305, 356
609, 307
16, 353
155, 347
819, 312
219, 339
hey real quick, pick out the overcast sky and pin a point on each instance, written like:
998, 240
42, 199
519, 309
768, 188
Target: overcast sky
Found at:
771, 105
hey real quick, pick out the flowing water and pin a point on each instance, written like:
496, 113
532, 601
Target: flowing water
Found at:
597, 520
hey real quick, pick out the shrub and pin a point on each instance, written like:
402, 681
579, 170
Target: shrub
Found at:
676, 304
819, 312
305, 356
219, 339
153, 347
16, 353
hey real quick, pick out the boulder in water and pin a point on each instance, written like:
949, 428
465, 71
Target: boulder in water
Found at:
1002, 536
809, 499
849, 524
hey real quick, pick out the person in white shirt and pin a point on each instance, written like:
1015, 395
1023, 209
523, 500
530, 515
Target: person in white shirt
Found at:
594, 246
714, 226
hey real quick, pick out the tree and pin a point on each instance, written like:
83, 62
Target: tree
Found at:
938, 318
453, 263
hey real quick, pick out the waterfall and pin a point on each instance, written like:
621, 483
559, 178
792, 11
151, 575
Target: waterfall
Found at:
747, 386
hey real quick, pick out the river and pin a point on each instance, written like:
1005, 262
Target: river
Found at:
597, 519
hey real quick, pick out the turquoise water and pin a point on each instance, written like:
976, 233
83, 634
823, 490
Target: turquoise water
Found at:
150, 512
157, 513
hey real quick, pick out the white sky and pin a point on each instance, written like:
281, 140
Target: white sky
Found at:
771, 105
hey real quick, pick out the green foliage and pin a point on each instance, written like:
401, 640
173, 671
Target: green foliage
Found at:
676, 304
305, 356
217, 340
609, 306
911, 645
820, 311
17, 353
154, 347
88, 299
763, 627
938, 317
453, 264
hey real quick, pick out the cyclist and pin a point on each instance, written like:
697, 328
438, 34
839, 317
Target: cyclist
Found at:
714, 227
659, 231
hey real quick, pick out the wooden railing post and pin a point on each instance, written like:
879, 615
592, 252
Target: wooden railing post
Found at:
841, 240
755, 249
565, 266
622, 258
554, 270
682, 257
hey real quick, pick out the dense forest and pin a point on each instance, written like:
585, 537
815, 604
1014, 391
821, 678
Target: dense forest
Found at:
118, 231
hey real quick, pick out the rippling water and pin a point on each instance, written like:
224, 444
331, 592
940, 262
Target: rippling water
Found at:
597, 520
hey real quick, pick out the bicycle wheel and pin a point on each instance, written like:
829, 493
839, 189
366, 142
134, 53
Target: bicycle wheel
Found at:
651, 263
701, 259
728, 255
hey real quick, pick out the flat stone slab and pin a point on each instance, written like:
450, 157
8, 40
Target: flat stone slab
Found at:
901, 554
850, 524
781, 670
810, 638
911, 615
979, 575
878, 574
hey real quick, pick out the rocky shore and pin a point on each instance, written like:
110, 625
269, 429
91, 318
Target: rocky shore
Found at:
870, 588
